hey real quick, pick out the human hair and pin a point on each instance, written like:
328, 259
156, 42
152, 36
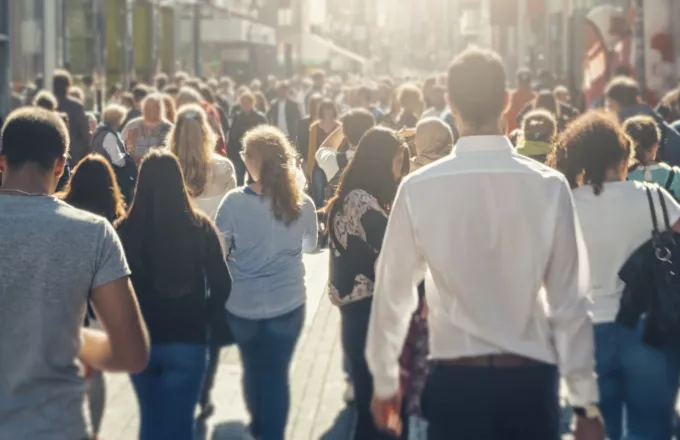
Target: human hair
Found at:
476, 87
623, 90
162, 231
114, 88
313, 104
180, 78
93, 188
207, 94
546, 100
113, 116
411, 98
139, 92
319, 75
270, 148
370, 169
77, 93
261, 102
191, 140
170, 110
645, 133
364, 93
193, 83
171, 90
161, 80
324, 105
356, 123
524, 77
45, 99
158, 112
61, 82
255, 85
34, 135
514, 136
590, 146
186, 96
539, 125
127, 99
433, 135
248, 95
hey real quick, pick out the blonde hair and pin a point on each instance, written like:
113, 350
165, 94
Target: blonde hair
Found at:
433, 140
157, 100
191, 140
268, 146
113, 115
77, 93
170, 110
186, 96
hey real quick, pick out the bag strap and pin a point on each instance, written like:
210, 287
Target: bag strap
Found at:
650, 199
669, 181
664, 208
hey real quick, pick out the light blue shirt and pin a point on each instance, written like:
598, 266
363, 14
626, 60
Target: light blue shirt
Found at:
265, 255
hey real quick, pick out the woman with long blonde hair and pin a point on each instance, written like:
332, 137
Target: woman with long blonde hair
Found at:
208, 175
266, 226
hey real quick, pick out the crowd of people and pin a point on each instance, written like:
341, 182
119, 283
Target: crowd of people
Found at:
482, 245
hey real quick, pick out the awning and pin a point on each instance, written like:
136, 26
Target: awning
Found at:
317, 51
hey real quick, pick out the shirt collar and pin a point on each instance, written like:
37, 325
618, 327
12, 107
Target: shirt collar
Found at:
471, 144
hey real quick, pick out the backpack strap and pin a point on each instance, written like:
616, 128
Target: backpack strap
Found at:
664, 208
650, 199
669, 181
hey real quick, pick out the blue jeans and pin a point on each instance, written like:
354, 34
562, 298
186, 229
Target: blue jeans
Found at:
167, 391
266, 347
317, 187
638, 384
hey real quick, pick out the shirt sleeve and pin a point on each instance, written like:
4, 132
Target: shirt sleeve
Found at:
110, 145
111, 264
223, 224
567, 282
311, 235
399, 269
327, 160
217, 273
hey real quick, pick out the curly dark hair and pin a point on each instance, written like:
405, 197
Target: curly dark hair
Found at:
644, 131
590, 146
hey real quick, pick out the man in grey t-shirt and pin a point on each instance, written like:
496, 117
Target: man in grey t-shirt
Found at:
54, 257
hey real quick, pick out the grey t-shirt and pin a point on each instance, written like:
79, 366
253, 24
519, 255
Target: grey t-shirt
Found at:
51, 256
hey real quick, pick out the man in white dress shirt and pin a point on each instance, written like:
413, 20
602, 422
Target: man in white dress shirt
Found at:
495, 237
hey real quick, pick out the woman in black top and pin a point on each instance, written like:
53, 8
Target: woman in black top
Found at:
357, 218
172, 249
93, 188
411, 103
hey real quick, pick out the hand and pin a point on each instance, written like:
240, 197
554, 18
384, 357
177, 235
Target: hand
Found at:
588, 429
86, 370
386, 414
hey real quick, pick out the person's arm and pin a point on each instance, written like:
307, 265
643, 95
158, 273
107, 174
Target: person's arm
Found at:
217, 274
110, 145
223, 223
567, 282
311, 222
124, 343
327, 160
399, 269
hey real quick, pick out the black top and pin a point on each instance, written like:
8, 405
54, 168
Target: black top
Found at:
242, 123
184, 318
357, 226
78, 128
131, 114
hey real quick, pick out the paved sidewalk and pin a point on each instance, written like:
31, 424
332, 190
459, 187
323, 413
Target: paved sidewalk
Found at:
317, 381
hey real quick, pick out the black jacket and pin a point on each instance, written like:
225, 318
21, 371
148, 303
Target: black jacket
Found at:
78, 128
242, 123
293, 116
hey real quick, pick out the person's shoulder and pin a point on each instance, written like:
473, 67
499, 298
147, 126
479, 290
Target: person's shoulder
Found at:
81, 220
134, 122
221, 164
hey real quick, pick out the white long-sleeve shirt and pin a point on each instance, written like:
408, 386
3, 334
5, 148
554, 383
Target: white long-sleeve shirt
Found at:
327, 159
497, 236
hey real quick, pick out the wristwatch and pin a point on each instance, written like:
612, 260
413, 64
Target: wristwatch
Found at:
590, 412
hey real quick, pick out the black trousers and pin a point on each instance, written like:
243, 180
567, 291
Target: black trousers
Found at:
492, 403
355, 318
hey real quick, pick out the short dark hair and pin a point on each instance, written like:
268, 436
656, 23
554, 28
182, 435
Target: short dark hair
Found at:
161, 80
623, 90
644, 131
356, 123
524, 76
207, 94
139, 92
327, 104
46, 100
476, 86
61, 82
36, 135
115, 88
171, 89
539, 125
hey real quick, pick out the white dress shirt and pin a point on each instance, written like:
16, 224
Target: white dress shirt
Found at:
327, 159
282, 122
496, 238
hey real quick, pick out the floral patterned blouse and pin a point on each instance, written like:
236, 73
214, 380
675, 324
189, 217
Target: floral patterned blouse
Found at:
357, 226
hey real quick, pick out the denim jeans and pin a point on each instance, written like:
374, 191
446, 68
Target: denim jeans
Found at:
318, 187
266, 347
638, 384
167, 390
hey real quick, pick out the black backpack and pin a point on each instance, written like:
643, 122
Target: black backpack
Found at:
126, 176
